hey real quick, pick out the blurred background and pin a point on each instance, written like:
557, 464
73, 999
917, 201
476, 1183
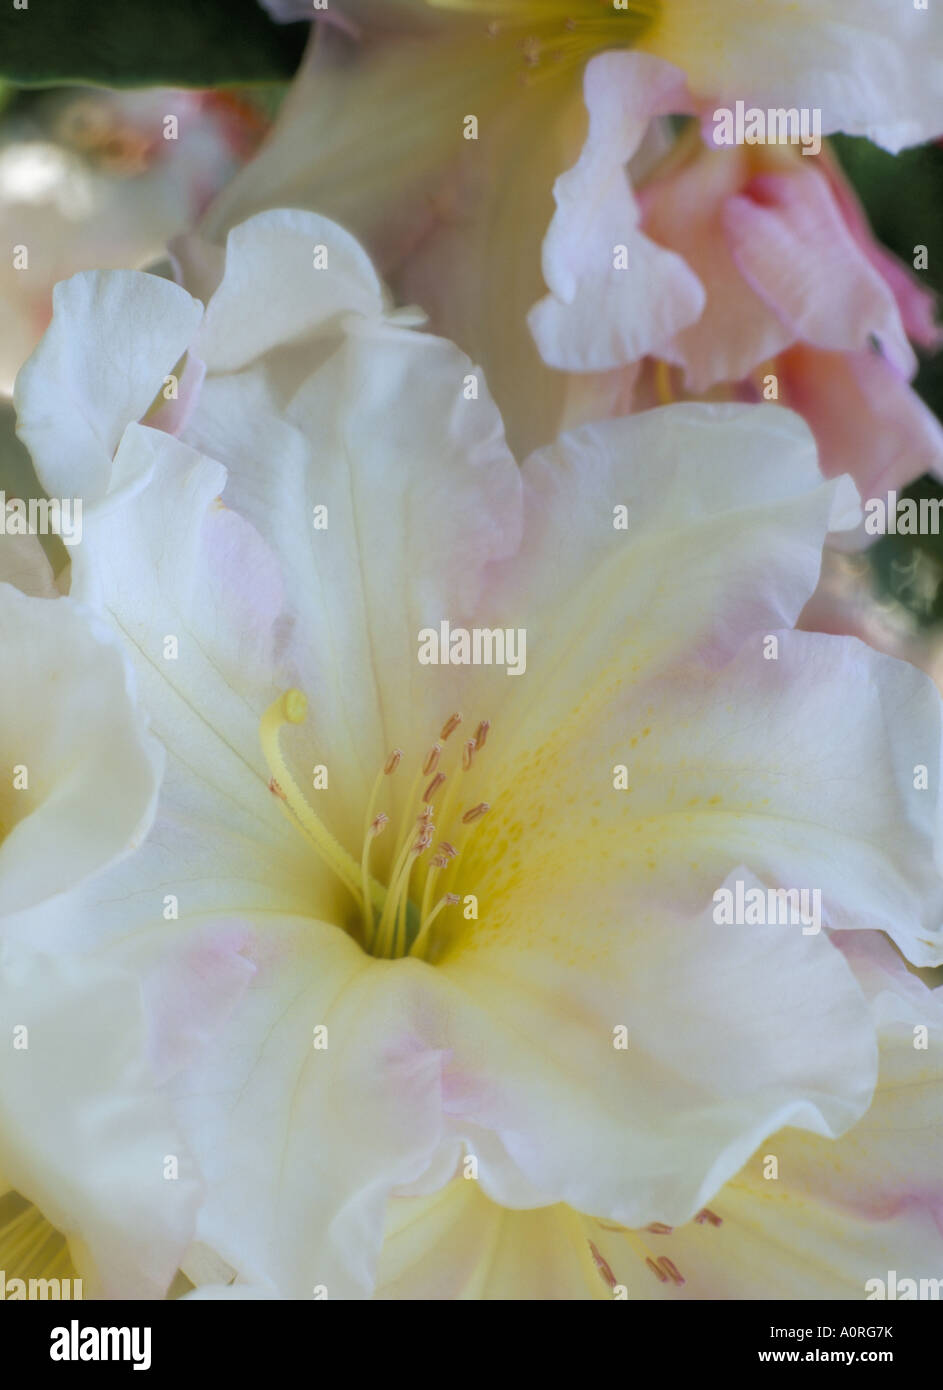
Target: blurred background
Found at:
118, 125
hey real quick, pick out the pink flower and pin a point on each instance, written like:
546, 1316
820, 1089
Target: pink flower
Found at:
800, 304
377, 137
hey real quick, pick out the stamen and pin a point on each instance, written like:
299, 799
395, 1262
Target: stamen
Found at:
399, 932
603, 1267
672, 1271
425, 839
419, 945
445, 852
450, 725
451, 796
663, 1270
663, 383
433, 786
370, 834
705, 1214
388, 926
375, 828
438, 863
411, 798
393, 921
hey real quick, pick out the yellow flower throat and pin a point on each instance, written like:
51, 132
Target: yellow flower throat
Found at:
392, 923
555, 31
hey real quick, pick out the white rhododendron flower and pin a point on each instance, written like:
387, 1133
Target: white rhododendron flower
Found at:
84, 1134
396, 913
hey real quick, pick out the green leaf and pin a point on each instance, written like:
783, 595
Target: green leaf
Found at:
141, 43
903, 197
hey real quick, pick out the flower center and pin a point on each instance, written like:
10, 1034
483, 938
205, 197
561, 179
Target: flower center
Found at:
398, 917
661, 1266
553, 31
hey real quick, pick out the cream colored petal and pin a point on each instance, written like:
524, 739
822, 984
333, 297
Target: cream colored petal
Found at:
114, 337
615, 295
289, 277
81, 771
84, 1134
317, 1096
871, 67
195, 596
418, 493
454, 224
671, 1045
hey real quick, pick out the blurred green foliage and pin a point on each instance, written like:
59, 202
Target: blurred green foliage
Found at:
145, 43
903, 197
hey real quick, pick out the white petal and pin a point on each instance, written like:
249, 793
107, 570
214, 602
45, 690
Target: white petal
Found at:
700, 484
602, 312
81, 772
456, 1244
830, 1220
289, 276
731, 1033
114, 337
871, 67
84, 1135
421, 495
196, 596
454, 224
300, 1143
